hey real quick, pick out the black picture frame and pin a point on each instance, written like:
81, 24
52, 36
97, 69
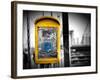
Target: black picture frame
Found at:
14, 44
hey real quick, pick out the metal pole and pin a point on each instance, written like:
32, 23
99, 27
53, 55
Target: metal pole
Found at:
28, 41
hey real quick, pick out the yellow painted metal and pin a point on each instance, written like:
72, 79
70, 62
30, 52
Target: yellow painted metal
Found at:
47, 22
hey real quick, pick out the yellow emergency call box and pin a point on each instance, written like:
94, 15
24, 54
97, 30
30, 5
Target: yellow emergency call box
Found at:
47, 40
